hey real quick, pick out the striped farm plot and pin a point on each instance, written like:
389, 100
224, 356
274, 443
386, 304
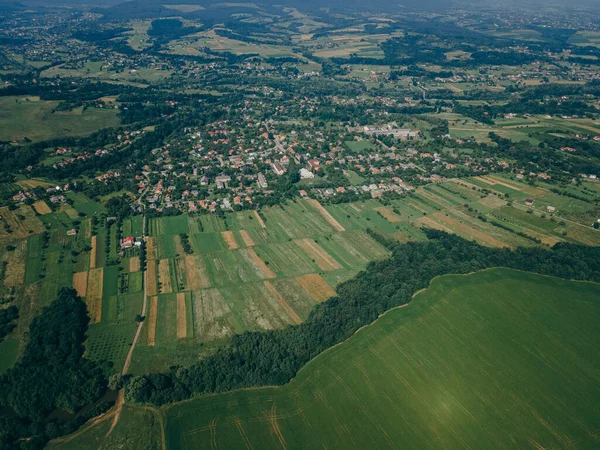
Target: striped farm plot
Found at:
80, 280
212, 316
172, 321
41, 208
462, 228
164, 276
237, 266
286, 259
295, 220
196, 273
152, 277
94, 294
230, 240
426, 376
353, 248
258, 306
318, 255
316, 286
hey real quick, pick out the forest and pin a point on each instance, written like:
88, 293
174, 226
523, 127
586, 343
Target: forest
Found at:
53, 389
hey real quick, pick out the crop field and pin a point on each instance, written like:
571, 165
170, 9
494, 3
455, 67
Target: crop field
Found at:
33, 118
426, 376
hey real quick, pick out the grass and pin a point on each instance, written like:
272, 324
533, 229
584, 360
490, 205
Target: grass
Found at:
35, 120
9, 349
138, 427
516, 369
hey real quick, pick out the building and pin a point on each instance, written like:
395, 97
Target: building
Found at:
278, 169
262, 181
306, 174
128, 242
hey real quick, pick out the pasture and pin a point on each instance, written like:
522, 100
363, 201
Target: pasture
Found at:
426, 376
33, 118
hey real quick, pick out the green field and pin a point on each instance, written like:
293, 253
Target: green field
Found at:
516, 369
34, 119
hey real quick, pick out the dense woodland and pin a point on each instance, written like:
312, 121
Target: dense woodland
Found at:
43, 396
273, 358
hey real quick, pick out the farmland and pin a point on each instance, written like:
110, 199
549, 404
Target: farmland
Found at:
245, 273
426, 375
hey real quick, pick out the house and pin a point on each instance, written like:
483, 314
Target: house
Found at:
551, 209
128, 242
262, 181
306, 174
314, 164
278, 169
529, 201
72, 232
222, 181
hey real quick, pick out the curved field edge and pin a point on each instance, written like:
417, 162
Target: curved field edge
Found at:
495, 359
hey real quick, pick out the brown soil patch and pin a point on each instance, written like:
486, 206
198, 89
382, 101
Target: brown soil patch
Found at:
93, 253
257, 262
152, 321
328, 217
388, 214
80, 283
151, 249
134, 264
196, 275
260, 221
181, 316
316, 286
94, 294
323, 259
229, 239
164, 277
152, 288
247, 238
288, 309
41, 207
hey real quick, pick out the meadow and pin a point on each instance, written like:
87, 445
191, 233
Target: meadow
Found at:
427, 376
33, 118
